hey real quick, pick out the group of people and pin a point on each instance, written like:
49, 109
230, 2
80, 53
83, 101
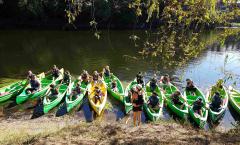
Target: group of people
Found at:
216, 98
136, 93
35, 84
176, 97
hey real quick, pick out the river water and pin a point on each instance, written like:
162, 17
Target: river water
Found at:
22, 50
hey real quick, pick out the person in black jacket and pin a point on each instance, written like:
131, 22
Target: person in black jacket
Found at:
216, 102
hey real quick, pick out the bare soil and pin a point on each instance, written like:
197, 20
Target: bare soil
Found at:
50, 130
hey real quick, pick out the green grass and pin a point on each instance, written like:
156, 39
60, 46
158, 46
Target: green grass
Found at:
7, 81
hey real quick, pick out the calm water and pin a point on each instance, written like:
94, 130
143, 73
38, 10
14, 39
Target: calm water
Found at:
75, 51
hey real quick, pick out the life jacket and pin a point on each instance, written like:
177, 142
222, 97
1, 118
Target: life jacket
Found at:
35, 84
106, 72
55, 72
66, 78
197, 105
153, 100
30, 76
54, 91
84, 76
175, 98
95, 77
217, 101
78, 90
114, 85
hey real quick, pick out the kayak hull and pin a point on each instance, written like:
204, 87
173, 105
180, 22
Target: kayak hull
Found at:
234, 99
216, 116
117, 95
199, 120
153, 115
12, 90
45, 83
71, 104
49, 105
181, 113
99, 106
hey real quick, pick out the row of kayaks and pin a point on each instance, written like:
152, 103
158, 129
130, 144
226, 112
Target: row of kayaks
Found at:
18, 90
188, 98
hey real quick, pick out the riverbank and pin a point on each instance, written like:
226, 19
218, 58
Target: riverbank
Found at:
70, 130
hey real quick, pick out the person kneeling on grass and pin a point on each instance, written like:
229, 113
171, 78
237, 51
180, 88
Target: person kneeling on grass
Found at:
175, 97
75, 92
197, 106
98, 95
153, 101
35, 85
52, 93
216, 102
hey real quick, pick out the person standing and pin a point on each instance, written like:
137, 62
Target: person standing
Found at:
134, 100
137, 101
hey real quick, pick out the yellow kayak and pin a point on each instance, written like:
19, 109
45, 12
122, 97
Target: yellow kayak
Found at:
97, 105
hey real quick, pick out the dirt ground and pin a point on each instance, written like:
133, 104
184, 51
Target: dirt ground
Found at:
50, 130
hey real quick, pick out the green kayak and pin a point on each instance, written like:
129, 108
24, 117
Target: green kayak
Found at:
75, 100
191, 98
118, 95
234, 99
127, 98
176, 109
153, 114
12, 90
53, 102
215, 116
45, 83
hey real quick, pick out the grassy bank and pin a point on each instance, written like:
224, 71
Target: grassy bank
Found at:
67, 130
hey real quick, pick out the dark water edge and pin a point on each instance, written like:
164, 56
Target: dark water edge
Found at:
62, 24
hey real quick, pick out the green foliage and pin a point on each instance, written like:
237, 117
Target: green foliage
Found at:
73, 9
33, 7
190, 13
175, 47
